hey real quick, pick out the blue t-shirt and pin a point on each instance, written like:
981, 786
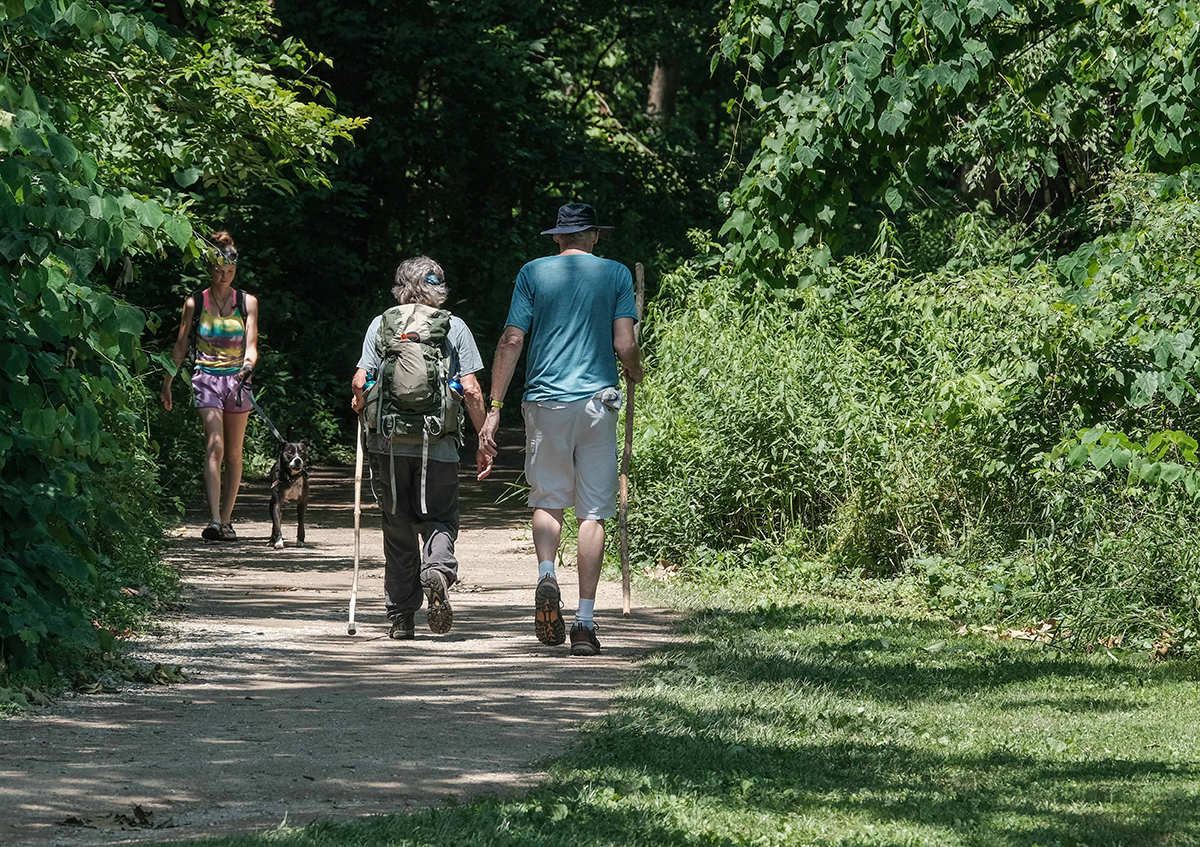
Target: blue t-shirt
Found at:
566, 306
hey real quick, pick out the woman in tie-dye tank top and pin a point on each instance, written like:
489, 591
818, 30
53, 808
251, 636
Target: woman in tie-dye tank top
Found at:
226, 349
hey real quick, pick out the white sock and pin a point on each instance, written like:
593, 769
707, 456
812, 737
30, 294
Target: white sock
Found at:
584, 615
544, 568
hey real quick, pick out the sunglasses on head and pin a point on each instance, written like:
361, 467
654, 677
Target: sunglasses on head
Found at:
224, 256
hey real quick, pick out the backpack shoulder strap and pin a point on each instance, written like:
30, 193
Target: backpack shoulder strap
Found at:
197, 309
383, 336
240, 301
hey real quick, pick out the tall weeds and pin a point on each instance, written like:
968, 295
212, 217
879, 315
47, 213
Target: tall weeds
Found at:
873, 420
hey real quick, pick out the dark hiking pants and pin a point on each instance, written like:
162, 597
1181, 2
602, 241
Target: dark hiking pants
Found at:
404, 555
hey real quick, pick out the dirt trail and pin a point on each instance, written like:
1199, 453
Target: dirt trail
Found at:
286, 715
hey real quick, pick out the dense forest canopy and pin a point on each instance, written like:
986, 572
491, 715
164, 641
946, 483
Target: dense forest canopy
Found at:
333, 141
928, 274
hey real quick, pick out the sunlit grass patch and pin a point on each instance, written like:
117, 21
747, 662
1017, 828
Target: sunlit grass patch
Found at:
839, 723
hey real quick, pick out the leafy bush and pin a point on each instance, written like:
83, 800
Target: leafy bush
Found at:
937, 425
102, 128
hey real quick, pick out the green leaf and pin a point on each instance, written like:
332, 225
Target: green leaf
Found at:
12, 247
70, 220
1100, 457
890, 121
32, 142
167, 47
130, 230
894, 198
1143, 389
88, 162
179, 229
29, 99
150, 214
187, 177
39, 422
945, 20
62, 148
1079, 454
131, 320
1172, 472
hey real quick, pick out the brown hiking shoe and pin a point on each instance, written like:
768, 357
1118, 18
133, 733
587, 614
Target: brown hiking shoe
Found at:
547, 616
439, 615
584, 641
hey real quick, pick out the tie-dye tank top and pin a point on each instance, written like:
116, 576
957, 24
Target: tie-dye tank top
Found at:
220, 342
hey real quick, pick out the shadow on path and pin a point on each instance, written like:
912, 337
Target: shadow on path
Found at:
285, 714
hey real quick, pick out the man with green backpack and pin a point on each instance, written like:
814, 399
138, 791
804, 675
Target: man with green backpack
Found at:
416, 372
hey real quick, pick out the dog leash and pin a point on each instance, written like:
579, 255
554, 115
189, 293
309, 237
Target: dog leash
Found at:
261, 413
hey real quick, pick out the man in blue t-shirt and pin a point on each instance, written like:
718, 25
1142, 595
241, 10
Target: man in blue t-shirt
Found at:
577, 310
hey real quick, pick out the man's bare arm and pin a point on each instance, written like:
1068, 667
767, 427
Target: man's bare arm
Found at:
508, 351
627, 349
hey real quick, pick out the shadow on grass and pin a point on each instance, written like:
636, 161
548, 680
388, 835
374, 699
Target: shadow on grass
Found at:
754, 733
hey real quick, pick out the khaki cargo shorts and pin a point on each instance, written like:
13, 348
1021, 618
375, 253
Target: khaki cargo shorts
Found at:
571, 454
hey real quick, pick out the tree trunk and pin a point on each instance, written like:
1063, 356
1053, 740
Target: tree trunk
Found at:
663, 87
175, 13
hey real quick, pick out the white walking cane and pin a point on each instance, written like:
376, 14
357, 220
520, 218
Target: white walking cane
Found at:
358, 465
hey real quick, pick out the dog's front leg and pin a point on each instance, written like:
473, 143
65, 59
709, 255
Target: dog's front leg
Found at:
276, 539
301, 505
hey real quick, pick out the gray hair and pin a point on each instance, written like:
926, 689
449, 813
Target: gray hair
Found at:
413, 287
578, 240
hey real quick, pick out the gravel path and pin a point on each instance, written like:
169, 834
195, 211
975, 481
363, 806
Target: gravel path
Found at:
285, 716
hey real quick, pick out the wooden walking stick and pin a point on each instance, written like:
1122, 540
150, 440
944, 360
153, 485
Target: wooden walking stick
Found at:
358, 468
627, 453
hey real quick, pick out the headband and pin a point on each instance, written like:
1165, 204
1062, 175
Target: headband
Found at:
224, 254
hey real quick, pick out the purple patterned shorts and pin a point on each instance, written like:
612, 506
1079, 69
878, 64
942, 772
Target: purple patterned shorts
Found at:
220, 391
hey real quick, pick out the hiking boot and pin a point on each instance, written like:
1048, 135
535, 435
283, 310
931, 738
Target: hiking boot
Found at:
227, 533
547, 616
404, 627
439, 615
584, 641
212, 532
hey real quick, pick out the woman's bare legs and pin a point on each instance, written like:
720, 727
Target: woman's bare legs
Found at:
235, 435
214, 441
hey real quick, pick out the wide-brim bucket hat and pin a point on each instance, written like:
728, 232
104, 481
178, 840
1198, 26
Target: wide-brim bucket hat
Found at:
575, 217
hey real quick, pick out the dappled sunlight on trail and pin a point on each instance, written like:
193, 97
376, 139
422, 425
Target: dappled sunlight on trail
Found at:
285, 714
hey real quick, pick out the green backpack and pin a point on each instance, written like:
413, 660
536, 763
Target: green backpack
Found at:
410, 401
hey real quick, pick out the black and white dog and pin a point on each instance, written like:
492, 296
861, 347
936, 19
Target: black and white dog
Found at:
289, 481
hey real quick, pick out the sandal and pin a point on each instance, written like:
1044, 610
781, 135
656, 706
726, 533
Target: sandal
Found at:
227, 533
212, 532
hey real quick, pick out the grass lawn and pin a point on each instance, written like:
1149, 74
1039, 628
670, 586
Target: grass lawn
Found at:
830, 722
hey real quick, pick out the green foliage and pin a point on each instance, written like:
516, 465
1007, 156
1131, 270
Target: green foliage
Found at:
867, 103
99, 107
485, 116
1012, 437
